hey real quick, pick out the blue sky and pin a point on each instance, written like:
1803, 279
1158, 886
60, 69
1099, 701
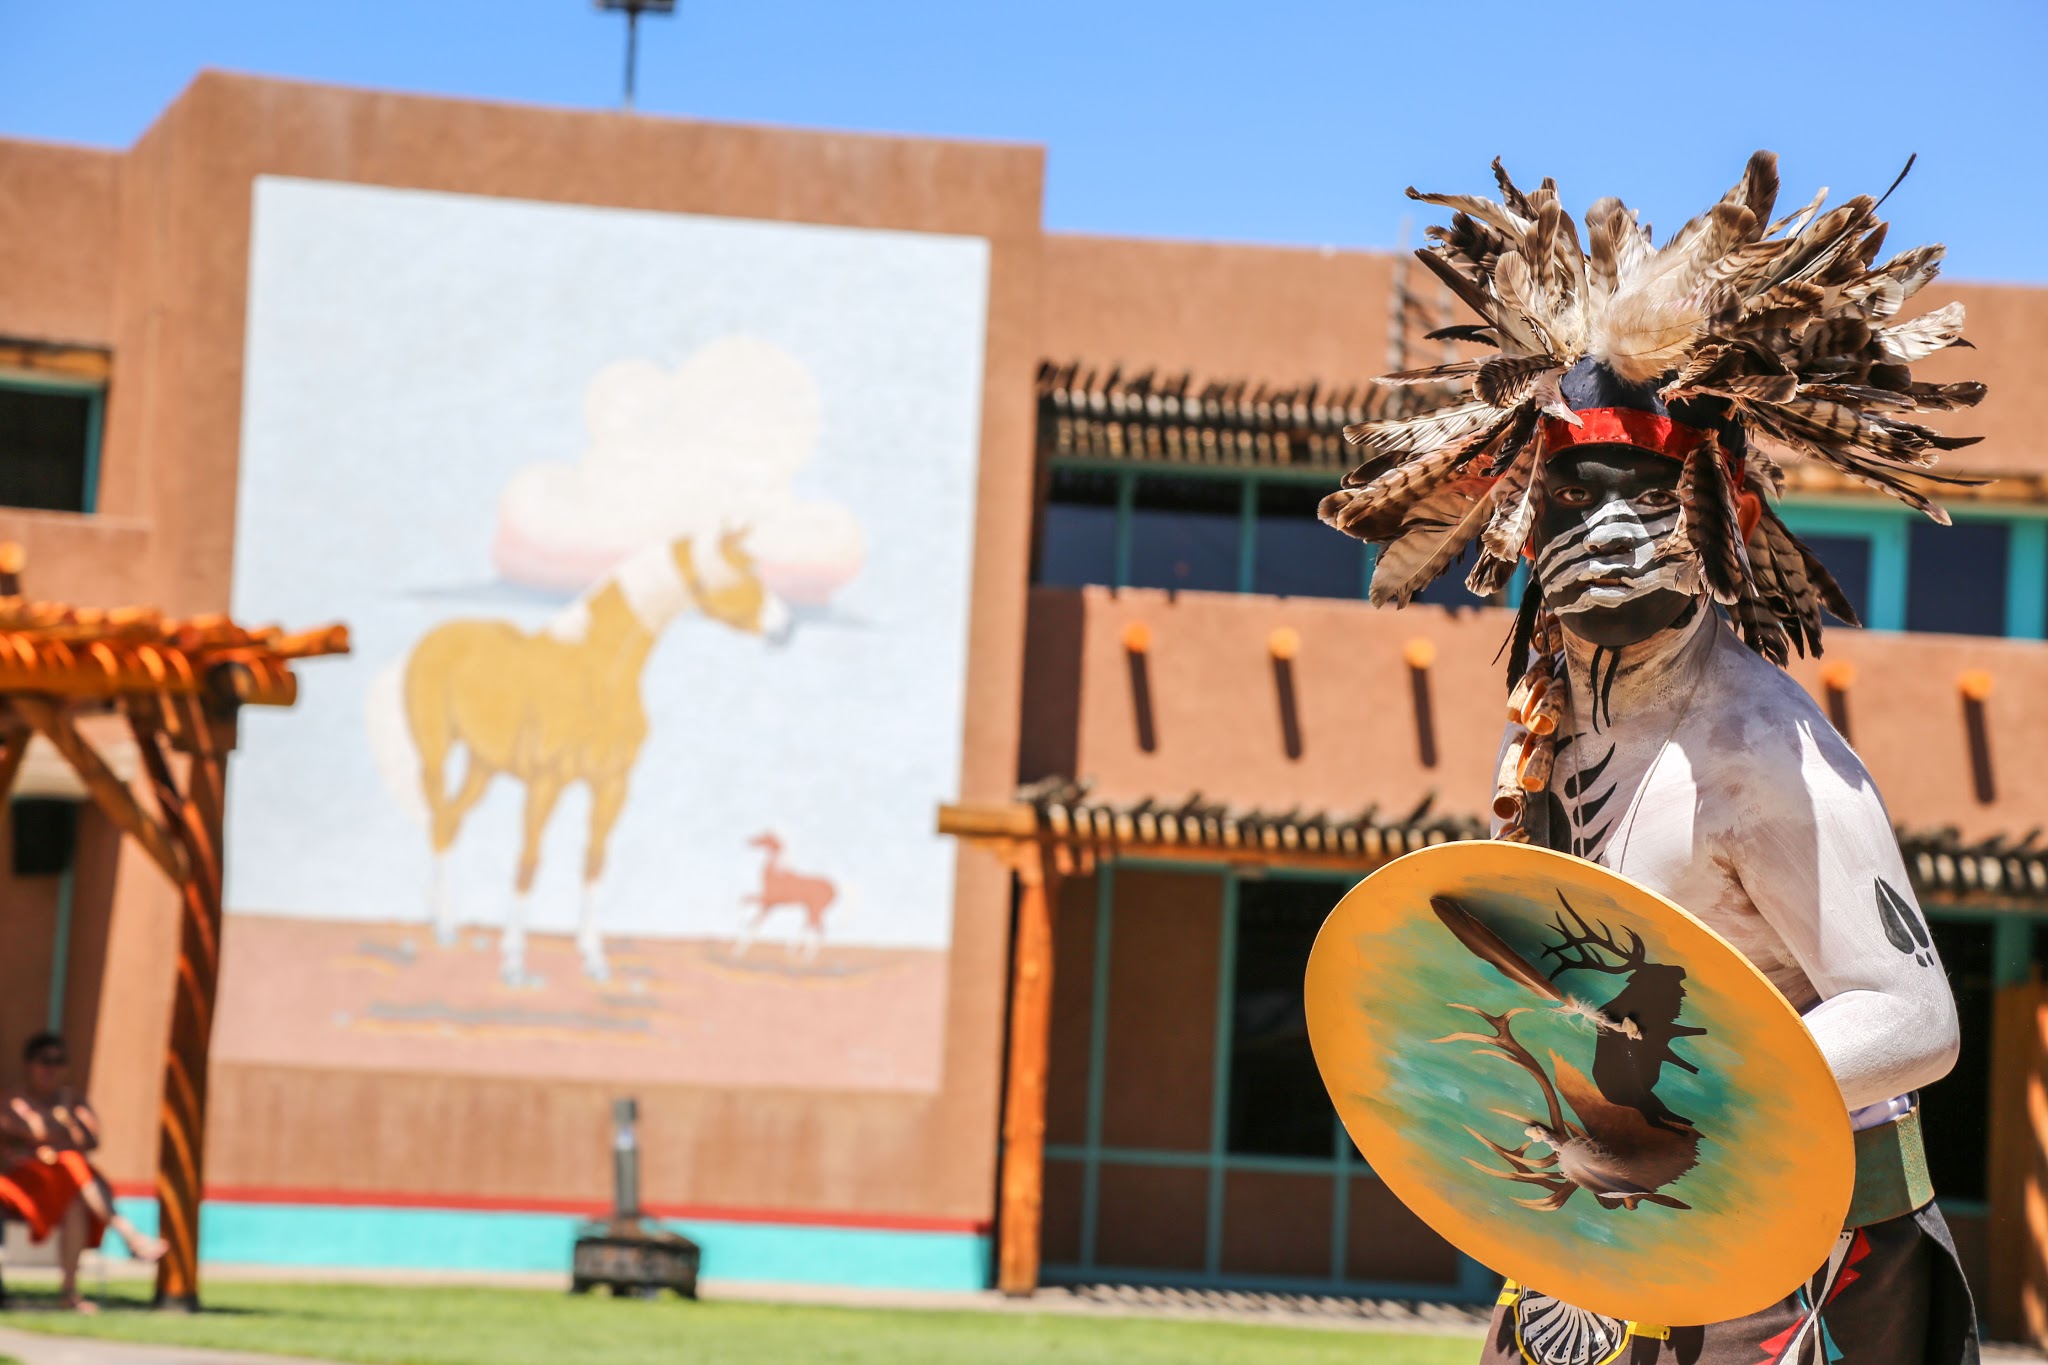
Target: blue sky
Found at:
1285, 121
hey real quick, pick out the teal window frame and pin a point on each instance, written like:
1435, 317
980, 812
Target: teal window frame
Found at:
2012, 946
1475, 1283
95, 391
1887, 527
1884, 525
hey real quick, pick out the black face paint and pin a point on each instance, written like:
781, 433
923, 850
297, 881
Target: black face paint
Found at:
1606, 512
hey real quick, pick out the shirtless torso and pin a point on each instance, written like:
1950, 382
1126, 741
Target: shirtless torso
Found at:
1699, 769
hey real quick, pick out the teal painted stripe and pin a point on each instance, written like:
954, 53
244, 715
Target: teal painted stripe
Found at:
359, 1237
2026, 580
2012, 951
1098, 1046
95, 428
1126, 501
60, 948
1247, 535
1219, 1092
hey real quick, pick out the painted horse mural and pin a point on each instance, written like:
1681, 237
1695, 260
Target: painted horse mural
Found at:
562, 705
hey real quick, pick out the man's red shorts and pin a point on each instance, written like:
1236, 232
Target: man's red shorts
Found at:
38, 1192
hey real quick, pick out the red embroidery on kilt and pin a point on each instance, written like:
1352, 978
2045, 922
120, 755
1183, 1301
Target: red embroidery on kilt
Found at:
1858, 1250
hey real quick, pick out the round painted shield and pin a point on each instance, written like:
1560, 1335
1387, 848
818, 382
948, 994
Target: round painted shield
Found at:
1578, 1084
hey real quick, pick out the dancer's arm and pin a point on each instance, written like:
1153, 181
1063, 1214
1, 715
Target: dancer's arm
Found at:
1818, 857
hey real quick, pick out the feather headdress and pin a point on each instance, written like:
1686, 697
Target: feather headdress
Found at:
1739, 339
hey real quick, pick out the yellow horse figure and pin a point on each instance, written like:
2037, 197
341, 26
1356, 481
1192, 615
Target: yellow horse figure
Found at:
559, 706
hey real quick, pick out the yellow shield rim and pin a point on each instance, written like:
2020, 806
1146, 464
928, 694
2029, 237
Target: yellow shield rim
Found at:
1773, 1160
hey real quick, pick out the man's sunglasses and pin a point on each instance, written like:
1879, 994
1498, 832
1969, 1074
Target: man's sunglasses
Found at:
49, 1059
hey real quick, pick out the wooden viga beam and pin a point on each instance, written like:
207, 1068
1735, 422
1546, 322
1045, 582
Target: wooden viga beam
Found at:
254, 674
108, 792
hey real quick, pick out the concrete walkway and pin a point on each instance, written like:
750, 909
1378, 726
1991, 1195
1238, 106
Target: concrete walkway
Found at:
34, 1348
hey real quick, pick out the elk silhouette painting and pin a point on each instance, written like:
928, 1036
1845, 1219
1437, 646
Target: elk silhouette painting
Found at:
1622, 1144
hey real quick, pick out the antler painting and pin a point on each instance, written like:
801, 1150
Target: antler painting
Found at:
1626, 1144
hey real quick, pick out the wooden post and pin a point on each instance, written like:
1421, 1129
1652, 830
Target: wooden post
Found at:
2016, 1306
1023, 1176
196, 815
16, 741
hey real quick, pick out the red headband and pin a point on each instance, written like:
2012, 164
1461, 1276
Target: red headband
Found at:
1623, 427
1658, 435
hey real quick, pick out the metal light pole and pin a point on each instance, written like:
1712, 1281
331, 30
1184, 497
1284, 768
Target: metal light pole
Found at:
633, 10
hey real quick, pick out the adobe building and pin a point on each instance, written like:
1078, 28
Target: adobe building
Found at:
842, 664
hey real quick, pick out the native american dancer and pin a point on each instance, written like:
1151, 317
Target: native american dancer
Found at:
1622, 436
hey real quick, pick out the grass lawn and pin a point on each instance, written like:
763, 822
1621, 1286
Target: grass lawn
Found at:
378, 1325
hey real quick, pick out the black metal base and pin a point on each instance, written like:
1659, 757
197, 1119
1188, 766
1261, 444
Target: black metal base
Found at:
633, 1259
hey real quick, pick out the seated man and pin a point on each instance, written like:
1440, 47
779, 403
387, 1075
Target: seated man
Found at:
46, 1130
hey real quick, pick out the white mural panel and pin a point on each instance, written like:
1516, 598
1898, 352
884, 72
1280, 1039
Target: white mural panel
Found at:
654, 534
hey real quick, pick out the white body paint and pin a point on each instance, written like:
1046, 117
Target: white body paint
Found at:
1704, 772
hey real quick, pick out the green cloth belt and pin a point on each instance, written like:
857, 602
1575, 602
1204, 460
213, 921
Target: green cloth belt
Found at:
1891, 1172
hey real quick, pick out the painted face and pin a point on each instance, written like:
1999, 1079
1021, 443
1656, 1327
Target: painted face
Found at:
1605, 511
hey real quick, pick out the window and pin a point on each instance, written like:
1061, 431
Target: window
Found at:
1253, 530
1958, 577
1953, 1121
1184, 533
49, 445
1450, 590
1278, 1106
1078, 542
43, 833
1189, 1137
1847, 557
1296, 555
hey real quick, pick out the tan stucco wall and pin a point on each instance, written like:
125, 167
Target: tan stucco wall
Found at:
57, 207
1281, 315
1216, 715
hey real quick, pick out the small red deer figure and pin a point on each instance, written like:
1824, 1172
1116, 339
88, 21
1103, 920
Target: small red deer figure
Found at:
780, 887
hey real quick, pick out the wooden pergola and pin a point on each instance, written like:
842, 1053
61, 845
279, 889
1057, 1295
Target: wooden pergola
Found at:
1057, 832
179, 686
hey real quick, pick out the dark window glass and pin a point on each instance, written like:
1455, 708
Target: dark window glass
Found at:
1449, 590
1848, 559
1298, 556
44, 832
1184, 533
1956, 578
44, 440
1079, 529
1957, 1111
1278, 1106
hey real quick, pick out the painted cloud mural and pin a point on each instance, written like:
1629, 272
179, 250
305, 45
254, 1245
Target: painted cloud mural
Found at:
716, 444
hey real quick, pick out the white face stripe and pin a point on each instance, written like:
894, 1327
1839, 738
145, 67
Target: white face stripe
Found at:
1611, 558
